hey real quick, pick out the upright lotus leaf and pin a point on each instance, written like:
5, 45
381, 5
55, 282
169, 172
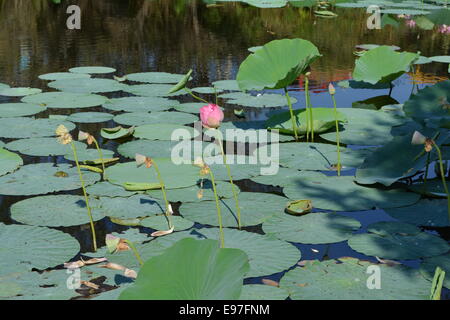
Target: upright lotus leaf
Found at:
348, 279
369, 68
191, 270
181, 83
36, 247
9, 161
276, 65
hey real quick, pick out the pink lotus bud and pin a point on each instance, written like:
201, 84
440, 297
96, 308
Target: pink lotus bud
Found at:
418, 138
211, 116
331, 89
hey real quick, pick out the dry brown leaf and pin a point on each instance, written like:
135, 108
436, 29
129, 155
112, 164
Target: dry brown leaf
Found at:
112, 266
90, 284
130, 273
82, 263
162, 233
270, 282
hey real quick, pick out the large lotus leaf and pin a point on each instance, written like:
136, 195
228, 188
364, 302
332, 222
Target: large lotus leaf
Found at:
164, 131
312, 228
106, 189
255, 209
348, 279
343, 194
241, 167
65, 100
36, 247
42, 178
87, 85
160, 222
428, 267
30, 128
285, 177
381, 167
191, 270
9, 110
136, 206
276, 65
155, 77
140, 104
262, 292
9, 161
323, 120
90, 117
89, 154
267, 100
63, 75
19, 92
92, 70
55, 211
141, 118
397, 245
430, 213
315, 156
431, 187
174, 176
369, 69
191, 194
43, 147
432, 101
229, 85
189, 107
441, 16
260, 249
152, 90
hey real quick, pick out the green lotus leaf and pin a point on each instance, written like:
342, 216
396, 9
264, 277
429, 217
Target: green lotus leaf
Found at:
90, 117
88, 155
368, 68
87, 85
140, 104
440, 16
181, 82
116, 132
430, 188
429, 213
262, 292
155, 77
136, 206
63, 76
207, 90
141, 118
428, 267
285, 177
42, 178
205, 212
163, 131
241, 167
19, 92
3, 86
36, 247
348, 278
189, 107
276, 65
22, 127
312, 228
55, 211
10, 110
133, 235
160, 222
152, 90
106, 189
267, 100
228, 85
9, 161
65, 100
43, 147
267, 3
92, 70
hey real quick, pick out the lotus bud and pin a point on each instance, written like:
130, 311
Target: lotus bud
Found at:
331, 89
61, 130
418, 138
85, 136
141, 159
112, 242
211, 116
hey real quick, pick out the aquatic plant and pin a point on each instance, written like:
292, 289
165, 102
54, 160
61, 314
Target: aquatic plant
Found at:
91, 139
436, 285
119, 244
64, 137
332, 92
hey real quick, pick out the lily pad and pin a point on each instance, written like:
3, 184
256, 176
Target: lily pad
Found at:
431, 188
429, 213
116, 132
207, 90
136, 206
267, 100
42, 178
106, 189
19, 92
55, 211
43, 147
141, 118
9, 110
140, 104
159, 222
205, 212
65, 100
163, 131
3, 86
189, 107
262, 292
22, 127
89, 117
313, 228
9, 161
63, 76
241, 167
92, 70
428, 267
152, 90
87, 85
228, 85
87, 155
155, 77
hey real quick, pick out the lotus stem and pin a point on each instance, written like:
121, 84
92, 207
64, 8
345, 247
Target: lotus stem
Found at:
444, 183
219, 214
294, 122
101, 156
233, 187
136, 253
163, 189
425, 177
337, 136
310, 127
194, 96
86, 199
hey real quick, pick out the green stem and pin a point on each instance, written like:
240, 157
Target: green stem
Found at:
337, 136
86, 199
163, 189
309, 109
101, 156
136, 253
219, 214
444, 183
194, 96
238, 209
425, 177
294, 122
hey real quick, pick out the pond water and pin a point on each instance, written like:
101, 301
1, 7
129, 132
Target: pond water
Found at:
177, 35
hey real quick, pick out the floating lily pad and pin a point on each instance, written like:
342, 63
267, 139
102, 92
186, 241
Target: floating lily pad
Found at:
106, 189
9, 161
140, 104
207, 90
155, 77
55, 211
190, 107
262, 292
159, 222
428, 267
430, 213
36, 247
343, 194
22, 127
3, 86
285, 177
87, 155
92, 70
42, 178
348, 279
9, 110
141, 118
90, 117
399, 245
152, 90
267, 100
19, 92
205, 212
87, 85
63, 76
66, 100
228, 85
116, 132
313, 228
431, 188
136, 206
163, 131
43, 147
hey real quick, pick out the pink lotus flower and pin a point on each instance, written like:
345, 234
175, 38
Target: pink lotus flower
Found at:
410, 23
444, 29
211, 116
